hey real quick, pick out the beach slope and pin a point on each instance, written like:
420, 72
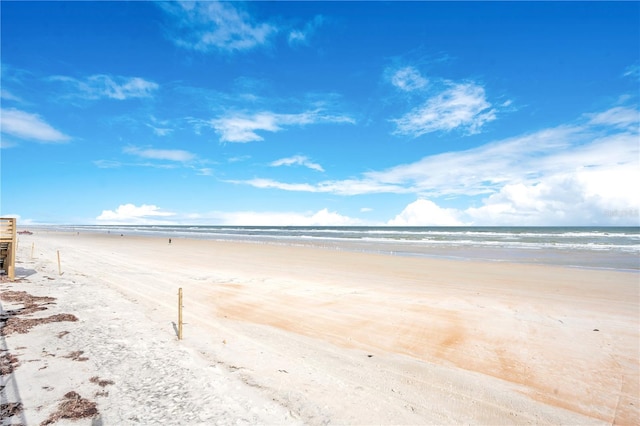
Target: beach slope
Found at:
278, 334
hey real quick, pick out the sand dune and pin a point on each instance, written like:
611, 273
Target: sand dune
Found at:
280, 334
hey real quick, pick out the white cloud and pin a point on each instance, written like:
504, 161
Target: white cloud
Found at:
205, 171
297, 37
132, 214
5, 143
8, 96
618, 116
243, 128
161, 154
426, 213
160, 127
107, 164
462, 106
408, 79
326, 218
208, 25
602, 194
360, 186
344, 187
322, 217
632, 71
161, 131
112, 87
299, 160
272, 184
580, 174
589, 197
476, 171
483, 169
599, 196
28, 126
239, 159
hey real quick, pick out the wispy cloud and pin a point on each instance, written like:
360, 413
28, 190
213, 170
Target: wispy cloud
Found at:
461, 106
618, 117
239, 159
595, 189
111, 87
5, 143
408, 79
132, 214
339, 187
553, 176
160, 131
298, 37
205, 171
160, 154
272, 184
632, 71
480, 170
29, 126
213, 25
107, 164
8, 96
522, 159
299, 160
243, 128
160, 127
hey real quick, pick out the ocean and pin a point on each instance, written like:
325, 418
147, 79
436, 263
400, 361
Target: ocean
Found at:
584, 247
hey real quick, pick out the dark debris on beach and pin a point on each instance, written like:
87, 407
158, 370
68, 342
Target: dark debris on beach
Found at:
101, 383
10, 322
22, 326
76, 356
73, 407
8, 363
10, 409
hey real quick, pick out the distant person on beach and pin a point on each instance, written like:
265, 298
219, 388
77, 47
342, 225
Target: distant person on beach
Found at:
169, 240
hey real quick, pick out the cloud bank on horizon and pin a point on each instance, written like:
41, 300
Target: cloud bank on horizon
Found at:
336, 114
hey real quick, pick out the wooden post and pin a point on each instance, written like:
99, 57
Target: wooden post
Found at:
33, 246
59, 268
180, 313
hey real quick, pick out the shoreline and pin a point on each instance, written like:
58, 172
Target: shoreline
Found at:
348, 337
624, 261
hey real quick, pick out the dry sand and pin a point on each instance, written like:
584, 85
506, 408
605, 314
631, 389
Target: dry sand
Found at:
281, 335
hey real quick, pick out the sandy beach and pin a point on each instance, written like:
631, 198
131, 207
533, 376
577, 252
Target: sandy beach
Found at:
277, 334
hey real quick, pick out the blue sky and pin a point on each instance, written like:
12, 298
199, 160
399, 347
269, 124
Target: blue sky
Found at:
321, 113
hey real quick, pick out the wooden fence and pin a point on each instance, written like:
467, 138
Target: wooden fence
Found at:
8, 244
